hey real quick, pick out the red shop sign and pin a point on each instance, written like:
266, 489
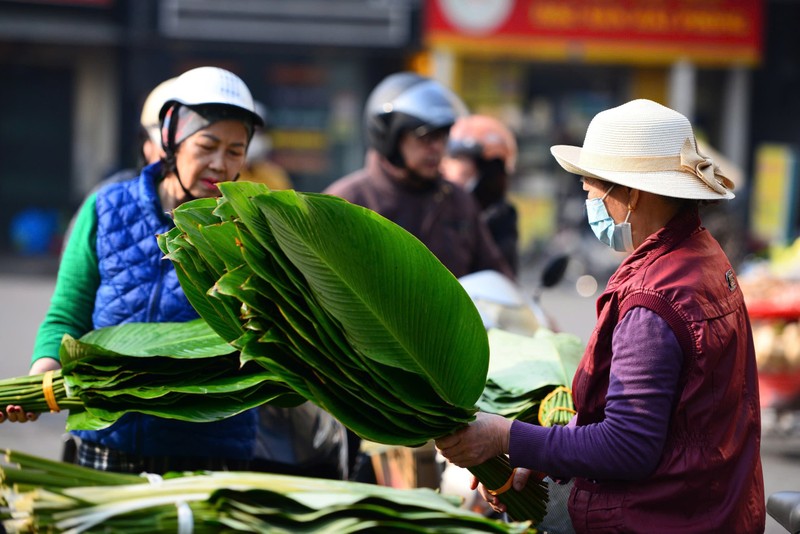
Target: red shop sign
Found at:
722, 31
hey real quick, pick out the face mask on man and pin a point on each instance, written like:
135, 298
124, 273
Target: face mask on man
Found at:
616, 236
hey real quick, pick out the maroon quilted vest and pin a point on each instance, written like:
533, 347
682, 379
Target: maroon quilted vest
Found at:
709, 476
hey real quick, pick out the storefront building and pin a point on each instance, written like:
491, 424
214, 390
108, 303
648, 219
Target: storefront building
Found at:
76, 72
546, 67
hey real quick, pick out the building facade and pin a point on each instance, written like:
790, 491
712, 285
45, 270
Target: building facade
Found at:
76, 73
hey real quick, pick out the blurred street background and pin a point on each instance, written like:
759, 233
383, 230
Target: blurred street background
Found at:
76, 72
74, 75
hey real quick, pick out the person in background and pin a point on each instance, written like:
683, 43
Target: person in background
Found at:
112, 272
148, 135
666, 438
150, 123
482, 157
302, 441
148, 142
407, 119
258, 166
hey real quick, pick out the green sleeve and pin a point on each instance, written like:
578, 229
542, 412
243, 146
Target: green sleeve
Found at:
72, 303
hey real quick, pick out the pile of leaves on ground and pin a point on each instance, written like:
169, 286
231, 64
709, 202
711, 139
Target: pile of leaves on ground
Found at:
529, 376
38, 495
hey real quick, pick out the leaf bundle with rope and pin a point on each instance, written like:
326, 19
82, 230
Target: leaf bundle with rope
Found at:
180, 371
39, 495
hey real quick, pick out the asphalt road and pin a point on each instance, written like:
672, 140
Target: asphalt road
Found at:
25, 298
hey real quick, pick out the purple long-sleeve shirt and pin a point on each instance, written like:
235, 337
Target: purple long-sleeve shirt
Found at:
627, 444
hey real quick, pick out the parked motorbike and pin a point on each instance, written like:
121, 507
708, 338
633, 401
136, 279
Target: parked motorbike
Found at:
503, 304
784, 507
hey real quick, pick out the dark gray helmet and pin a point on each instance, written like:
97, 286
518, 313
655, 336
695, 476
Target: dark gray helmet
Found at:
406, 101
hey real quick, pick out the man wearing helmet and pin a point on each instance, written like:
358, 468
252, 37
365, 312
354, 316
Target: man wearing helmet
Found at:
407, 118
112, 272
481, 157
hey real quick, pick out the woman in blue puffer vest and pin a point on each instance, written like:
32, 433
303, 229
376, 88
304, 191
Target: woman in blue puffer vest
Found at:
112, 272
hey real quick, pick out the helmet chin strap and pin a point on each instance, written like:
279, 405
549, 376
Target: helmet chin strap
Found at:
186, 192
171, 148
189, 196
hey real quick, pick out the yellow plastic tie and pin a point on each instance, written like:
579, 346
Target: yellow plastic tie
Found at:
47, 389
505, 487
549, 417
546, 418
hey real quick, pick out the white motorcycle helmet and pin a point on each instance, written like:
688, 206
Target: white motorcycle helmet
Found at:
205, 88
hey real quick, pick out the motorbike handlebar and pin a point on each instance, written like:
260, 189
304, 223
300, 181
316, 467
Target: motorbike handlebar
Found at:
784, 507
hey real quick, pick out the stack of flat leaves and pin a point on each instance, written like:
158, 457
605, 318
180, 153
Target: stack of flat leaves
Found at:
38, 495
349, 309
177, 370
523, 370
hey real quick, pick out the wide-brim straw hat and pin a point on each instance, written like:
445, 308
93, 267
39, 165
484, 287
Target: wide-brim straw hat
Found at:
649, 147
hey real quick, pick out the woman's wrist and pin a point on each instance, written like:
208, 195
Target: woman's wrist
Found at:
42, 365
505, 434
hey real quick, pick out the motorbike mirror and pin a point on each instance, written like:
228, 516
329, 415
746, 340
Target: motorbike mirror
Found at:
554, 271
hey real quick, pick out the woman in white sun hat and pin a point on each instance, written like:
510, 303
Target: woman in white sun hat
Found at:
667, 432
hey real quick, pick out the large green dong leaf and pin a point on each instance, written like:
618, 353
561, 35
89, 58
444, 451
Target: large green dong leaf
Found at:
192, 339
397, 303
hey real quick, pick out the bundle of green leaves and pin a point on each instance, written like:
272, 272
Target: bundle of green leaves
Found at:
523, 370
38, 495
349, 309
177, 370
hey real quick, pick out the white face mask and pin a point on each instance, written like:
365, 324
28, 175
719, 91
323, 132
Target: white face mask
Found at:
617, 236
